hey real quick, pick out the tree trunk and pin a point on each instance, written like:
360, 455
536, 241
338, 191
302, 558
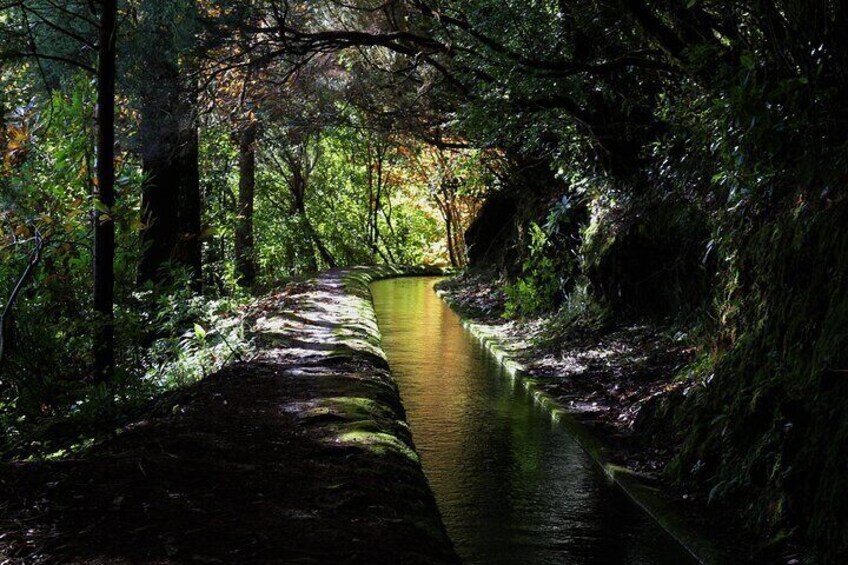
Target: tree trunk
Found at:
371, 209
171, 206
323, 252
104, 225
297, 187
322, 249
188, 249
444, 208
451, 242
245, 252
159, 211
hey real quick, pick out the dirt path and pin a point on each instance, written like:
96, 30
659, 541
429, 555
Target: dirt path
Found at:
301, 455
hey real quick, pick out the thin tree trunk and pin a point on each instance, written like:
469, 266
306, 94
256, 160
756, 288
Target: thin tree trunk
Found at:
297, 187
300, 210
245, 252
458, 244
388, 256
322, 249
371, 213
447, 217
300, 172
5, 315
104, 224
377, 196
451, 243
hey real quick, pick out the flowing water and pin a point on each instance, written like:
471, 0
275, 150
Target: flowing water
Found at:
512, 485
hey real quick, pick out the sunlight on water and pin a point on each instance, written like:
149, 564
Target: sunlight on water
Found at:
512, 486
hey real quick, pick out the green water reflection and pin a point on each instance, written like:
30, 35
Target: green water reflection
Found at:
512, 486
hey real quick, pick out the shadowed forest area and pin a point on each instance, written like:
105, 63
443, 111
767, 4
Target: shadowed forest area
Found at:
650, 193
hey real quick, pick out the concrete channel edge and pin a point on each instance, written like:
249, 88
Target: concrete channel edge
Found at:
631, 484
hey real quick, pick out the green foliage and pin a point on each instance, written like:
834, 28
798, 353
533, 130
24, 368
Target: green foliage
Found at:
679, 160
539, 286
552, 265
47, 396
340, 203
771, 412
47, 190
218, 180
170, 335
199, 336
169, 338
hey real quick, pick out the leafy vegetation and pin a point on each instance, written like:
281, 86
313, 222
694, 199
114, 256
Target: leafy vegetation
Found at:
332, 188
680, 162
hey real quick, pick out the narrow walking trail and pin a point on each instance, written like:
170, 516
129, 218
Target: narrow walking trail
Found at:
301, 455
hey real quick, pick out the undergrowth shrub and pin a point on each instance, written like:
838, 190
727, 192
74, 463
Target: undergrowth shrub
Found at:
199, 335
167, 338
538, 288
552, 265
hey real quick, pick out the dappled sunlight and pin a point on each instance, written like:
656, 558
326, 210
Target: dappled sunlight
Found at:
379, 443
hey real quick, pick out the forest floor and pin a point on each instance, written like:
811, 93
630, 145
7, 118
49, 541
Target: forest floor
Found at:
300, 455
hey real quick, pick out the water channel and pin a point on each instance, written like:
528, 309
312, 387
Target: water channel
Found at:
512, 486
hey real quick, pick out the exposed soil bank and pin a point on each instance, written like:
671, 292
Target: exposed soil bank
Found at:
301, 455
604, 386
